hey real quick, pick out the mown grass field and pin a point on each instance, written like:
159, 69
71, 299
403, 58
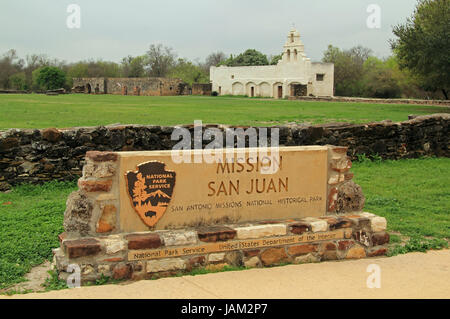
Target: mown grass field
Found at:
412, 194
42, 111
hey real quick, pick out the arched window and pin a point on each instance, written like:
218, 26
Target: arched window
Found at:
292, 37
295, 54
288, 52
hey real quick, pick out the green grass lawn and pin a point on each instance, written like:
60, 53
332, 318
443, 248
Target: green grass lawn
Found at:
42, 111
412, 194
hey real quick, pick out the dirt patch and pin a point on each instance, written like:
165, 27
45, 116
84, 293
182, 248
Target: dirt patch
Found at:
35, 278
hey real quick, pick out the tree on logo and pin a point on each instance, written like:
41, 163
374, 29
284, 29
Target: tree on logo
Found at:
139, 193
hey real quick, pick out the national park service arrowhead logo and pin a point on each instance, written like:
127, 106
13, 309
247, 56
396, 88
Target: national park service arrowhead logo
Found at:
150, 189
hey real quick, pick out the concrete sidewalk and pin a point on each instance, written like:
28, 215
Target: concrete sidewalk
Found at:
414, 275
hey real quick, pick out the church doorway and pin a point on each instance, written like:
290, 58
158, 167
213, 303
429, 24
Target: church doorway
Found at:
252, 91
280, 91
298, 90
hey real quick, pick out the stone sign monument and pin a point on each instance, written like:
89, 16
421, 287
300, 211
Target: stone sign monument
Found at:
139, 215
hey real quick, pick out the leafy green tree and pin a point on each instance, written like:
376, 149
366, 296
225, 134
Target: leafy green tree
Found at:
249, 57
160, 60
18, 81
189, 72
423, 44
33, 62
379, 80
133, 67
348, 69
10, 64
275, 58
49, 78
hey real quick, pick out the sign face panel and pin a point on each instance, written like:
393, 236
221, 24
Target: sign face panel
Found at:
223, 192
233, 245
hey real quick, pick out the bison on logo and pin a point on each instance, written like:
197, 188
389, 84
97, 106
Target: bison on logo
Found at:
150, 189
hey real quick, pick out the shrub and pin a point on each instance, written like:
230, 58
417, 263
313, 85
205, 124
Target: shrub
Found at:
49, 78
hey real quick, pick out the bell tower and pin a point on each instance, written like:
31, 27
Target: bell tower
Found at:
293, 49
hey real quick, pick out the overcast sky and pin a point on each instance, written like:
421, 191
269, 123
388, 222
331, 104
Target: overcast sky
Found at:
113, 29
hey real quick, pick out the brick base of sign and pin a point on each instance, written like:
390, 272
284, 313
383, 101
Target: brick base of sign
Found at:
154, 254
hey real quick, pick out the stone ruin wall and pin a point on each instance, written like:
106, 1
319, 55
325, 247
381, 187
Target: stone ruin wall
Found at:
201, 89
80, 85
146, 86
131, 86
52, 154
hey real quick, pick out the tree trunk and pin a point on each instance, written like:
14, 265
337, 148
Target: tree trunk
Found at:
445, 93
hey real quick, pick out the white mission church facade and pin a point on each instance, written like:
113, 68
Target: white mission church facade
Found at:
294, 75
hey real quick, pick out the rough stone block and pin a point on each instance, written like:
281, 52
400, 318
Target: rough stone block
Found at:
165, 264
216, 257
356, 252
350, 198
367, 215
197, 261
335, 178
234, 258
51, 135
97, 156
252, 262
273, 256
309, 258
338, 223
301, 249
113, 259
62, 237
122, 271
114, 244
174, 238
216, 267
329, 246
377, 252
329, 255
87, 270
378, 224
345, 244
95, 186
104, 270
261, 231
380, 238
99, 170
215, 233
107, 221
143, 241
332, 197
340, 164
251, 253
317, 225
300, 228
82, 247
78, 207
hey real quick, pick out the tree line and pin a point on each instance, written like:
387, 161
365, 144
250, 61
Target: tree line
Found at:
418, 68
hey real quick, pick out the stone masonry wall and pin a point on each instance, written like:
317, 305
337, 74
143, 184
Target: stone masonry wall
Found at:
49, 154
364, 235
371, 100
201, 88
146, 86
99, 83
132, 86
